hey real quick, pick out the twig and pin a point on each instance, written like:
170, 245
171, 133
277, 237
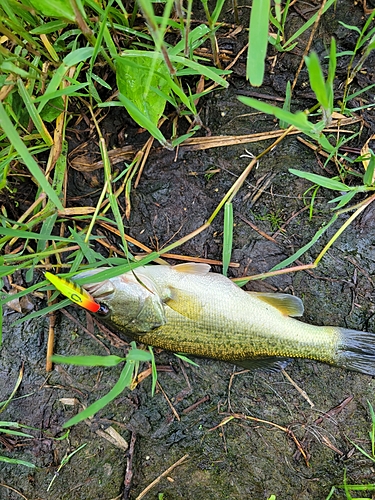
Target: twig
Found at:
12, 489
86, 330
169, 402
288, 431
301, 391
329, 414
129, 469
51, 336
196, 404
165, 473
312, 34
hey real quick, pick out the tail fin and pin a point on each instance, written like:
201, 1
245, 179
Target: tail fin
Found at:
357, 351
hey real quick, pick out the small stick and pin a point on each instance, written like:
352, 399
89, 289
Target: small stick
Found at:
197, 403
169, 402
301, 391
129, 469
165, 473
51, 337
13, 489
307, 48
86, 330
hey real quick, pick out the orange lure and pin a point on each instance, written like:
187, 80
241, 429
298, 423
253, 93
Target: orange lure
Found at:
73, 292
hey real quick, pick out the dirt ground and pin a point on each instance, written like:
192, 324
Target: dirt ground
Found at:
254, 454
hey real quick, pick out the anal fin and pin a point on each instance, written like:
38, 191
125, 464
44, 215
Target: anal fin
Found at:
270, 364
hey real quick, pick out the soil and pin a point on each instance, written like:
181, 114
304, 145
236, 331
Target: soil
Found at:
257, 452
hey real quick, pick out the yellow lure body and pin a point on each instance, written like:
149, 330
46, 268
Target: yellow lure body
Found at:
73, 292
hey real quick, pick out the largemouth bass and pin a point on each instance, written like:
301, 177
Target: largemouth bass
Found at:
188, 309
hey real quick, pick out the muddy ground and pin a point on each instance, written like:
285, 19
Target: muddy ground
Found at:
244, 458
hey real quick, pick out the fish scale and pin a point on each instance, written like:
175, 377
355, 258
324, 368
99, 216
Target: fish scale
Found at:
190, 310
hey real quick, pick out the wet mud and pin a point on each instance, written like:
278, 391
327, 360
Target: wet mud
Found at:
293, 441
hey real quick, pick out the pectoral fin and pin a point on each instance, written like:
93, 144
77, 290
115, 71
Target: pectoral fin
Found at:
184, 303
271, 364
289, 305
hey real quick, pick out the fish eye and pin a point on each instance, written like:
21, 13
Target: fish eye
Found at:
103, 310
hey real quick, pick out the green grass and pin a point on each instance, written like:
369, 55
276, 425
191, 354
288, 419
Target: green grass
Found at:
12, 429
57, 61
54, 63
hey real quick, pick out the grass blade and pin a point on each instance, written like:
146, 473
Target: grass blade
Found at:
123, 382
321, 181
88, 360
301, 251
258, 41
228, 236
31, 164
16, 461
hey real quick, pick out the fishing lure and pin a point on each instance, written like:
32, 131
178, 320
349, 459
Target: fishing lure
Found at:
74, 292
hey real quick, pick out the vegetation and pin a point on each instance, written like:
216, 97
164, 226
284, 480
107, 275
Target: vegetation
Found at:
64, 61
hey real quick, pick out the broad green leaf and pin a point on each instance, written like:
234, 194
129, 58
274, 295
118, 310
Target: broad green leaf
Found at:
135, 78
143, 120
57, 8
52, 109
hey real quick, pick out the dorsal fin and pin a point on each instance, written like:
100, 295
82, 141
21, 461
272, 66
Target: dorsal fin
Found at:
192, 268
289, 305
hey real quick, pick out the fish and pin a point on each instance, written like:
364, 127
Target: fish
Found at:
190, 310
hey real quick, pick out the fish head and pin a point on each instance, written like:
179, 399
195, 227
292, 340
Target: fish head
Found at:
129, 303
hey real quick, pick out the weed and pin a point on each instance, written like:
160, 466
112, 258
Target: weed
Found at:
129, 371
348, 488
274, 218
